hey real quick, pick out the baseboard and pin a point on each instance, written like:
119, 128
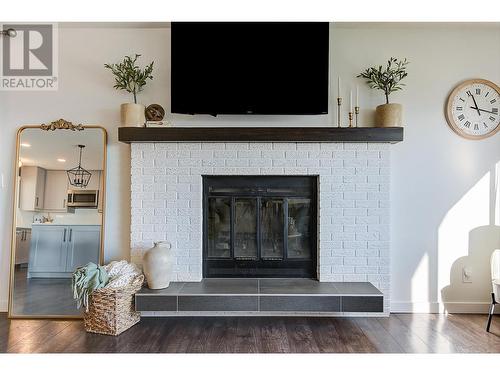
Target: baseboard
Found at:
4, 305
467, 307
441, 307
415, 307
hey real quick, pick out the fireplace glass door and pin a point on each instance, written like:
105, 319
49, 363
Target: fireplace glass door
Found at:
219, 228
299, 229
245, 228
272, 228
259, 226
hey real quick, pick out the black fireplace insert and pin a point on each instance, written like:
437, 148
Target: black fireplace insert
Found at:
259, 226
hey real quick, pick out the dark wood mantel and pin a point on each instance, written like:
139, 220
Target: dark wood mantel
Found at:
260, 134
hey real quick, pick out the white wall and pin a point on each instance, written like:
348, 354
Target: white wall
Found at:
439, 193
441, 211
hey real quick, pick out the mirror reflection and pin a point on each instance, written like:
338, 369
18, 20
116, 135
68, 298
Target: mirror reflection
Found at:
58, 217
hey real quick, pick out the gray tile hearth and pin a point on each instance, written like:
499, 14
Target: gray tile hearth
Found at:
222, 287
218, 303
261, 296
351, 288
156, 302
362, 304
300, 303
296, 286
173, 289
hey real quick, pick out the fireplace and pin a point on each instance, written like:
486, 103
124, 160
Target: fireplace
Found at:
352, 196
259, 226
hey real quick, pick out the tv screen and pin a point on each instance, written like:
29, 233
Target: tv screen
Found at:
269, 68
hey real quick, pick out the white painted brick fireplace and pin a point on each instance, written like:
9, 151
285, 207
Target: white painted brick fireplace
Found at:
353, 200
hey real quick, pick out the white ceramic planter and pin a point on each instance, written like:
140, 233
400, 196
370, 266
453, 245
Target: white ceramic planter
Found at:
387, 115
132, 114
158, 264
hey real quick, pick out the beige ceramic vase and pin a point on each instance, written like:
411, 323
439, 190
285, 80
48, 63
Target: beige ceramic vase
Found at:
158, 264
132, 114
388, 115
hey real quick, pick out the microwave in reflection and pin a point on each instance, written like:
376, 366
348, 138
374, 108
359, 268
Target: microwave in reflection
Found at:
83, 198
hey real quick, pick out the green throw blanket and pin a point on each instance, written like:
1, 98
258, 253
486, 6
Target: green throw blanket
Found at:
85, 280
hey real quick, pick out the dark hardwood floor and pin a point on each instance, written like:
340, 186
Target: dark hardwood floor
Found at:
42, 296
400, 333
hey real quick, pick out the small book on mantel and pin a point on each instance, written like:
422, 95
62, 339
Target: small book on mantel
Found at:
157, 124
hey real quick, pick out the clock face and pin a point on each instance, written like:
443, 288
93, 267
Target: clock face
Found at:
472, 109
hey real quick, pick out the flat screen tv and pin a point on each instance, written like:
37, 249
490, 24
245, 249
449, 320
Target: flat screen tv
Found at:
268, 68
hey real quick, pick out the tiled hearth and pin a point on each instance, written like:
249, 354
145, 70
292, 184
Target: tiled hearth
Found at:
250, 296
353, 200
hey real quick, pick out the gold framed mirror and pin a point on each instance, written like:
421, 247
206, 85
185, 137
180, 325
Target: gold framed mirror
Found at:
58, 215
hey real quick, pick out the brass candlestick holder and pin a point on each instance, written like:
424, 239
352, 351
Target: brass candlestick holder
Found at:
339, 112
350, 119
356, 113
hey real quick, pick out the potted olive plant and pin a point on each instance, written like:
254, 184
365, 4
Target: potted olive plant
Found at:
388, 80
131, 78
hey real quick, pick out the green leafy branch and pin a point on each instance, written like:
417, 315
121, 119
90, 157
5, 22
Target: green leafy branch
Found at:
129, 76
389, 79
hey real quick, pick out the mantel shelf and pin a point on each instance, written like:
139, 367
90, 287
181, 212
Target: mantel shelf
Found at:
260, 134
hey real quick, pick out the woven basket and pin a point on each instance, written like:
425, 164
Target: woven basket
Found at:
112, 310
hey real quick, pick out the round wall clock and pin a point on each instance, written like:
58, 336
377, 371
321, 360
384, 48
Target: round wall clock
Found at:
472, 109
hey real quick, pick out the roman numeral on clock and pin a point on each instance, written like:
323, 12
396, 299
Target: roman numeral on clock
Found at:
492, 118
495, 111
460, 108
467, 124
478, 91
485, 125
476, 126
492, 101
469, 93
461, 117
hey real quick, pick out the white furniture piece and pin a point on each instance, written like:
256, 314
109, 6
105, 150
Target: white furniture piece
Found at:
495, 279
32, 188
56, 250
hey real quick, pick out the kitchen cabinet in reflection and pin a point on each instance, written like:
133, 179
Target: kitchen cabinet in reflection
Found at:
56, 250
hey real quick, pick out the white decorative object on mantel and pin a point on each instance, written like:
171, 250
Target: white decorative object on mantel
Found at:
158, 265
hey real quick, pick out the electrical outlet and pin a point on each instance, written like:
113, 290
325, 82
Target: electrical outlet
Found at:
466, 275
